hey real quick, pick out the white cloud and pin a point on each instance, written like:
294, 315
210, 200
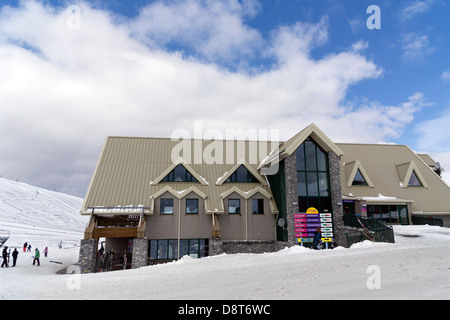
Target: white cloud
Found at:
446, 75
416, 47
434, 136
63, 91
434, 133
415, 8
213, 29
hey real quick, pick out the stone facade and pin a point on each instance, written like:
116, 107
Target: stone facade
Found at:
215, 246
88, 256
290, 167
218, 246
336, 198
140, 253
233, 247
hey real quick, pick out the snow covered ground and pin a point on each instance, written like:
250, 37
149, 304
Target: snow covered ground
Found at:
38, 216
417, 266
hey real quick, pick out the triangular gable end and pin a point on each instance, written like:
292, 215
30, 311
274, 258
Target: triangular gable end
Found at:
234, 170
410, 175
175, 193
351, 171
195, 176
290, 146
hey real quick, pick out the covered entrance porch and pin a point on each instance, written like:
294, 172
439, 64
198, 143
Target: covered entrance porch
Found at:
114, 240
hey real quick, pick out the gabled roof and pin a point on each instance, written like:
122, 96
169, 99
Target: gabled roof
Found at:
130, 172
352, 168
389, 168
406, 170
315, 133
179, 161
287, 148
253, 171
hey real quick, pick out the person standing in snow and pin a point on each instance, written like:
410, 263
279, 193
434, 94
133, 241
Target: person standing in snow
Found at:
37, 255
15, 254
25, 245
45, 251
29, 248
5, 257
318, 239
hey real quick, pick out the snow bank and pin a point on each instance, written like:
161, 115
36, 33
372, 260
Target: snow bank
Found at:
413, 268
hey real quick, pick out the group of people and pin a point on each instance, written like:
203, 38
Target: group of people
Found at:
15, 253
5, 256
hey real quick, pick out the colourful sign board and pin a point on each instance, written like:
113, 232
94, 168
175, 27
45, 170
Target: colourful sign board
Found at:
307, 223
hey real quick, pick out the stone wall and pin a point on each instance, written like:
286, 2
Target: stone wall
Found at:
140, 253
256, 246
336, 198
218, 246
290, 167
215, 246
88, 256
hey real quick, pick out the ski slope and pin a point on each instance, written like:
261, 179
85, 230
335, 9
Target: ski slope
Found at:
39, 216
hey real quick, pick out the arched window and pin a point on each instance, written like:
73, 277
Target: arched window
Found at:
313, 178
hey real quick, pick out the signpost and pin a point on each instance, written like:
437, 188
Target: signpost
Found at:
307, 223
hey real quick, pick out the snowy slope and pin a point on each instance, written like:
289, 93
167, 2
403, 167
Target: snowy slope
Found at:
39, 216
417, 266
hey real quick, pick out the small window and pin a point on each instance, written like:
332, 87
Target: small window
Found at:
234, 206
242, 175
359, 179
179, 174
257, 206
414, 181
191, 206
166, 206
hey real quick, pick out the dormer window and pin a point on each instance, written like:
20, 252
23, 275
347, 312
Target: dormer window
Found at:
241, 175
179, 174
359, 179
414, 181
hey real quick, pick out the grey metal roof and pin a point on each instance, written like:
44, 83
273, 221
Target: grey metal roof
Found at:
129, 167
387, 167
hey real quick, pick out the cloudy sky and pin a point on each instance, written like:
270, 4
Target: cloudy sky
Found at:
74, 72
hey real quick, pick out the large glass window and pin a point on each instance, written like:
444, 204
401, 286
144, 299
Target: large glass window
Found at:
313, 177
168, 249
389, 213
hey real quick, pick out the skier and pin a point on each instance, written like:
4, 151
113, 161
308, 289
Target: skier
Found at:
15, 254
29, 248
36, 257
45, 251
5, 257
25, 245
318, 239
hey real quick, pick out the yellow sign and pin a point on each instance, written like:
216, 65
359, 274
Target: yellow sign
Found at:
312, 210
327, 239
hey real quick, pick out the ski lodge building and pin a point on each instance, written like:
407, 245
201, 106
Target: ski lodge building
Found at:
152, 206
